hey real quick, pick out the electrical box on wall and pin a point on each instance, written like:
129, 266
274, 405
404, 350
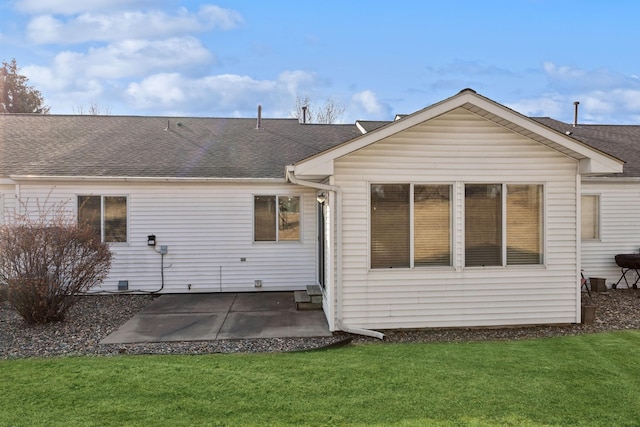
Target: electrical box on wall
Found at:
164, 249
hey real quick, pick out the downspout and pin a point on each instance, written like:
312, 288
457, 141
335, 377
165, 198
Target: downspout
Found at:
338, 192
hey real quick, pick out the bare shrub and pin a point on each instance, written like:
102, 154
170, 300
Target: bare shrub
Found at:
46, 259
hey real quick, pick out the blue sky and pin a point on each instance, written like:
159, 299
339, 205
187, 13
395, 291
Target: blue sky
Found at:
377, 59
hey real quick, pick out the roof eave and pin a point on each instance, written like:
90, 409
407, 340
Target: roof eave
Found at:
591, 160
143, 179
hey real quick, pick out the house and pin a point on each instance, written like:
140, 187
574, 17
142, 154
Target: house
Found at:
465, 213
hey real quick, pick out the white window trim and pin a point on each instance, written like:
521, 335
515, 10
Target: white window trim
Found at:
452, 228
457, 226
277, 195
598, 237
102, 196
504, 225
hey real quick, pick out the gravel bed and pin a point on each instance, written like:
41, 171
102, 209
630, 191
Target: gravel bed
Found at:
95, 317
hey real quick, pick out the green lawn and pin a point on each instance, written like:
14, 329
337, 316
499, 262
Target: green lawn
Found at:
585, 380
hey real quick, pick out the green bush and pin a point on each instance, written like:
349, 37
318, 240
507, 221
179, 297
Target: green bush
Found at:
47, 260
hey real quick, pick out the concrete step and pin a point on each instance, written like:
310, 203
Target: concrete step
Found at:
314, 290
304, 301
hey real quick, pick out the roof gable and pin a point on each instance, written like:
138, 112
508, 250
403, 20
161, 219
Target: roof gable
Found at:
591, 160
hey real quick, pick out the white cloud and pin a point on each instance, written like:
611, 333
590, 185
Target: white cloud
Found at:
225, 94
133, 58
215, 94
367, 101
130, 58
605, 96
365, 105
296, 82
69, 7
122, 25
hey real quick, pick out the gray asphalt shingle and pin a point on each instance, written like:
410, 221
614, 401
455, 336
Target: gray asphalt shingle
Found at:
198, 147
621, 141
54, 145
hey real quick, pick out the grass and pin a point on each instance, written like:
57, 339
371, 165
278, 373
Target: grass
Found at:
582, 380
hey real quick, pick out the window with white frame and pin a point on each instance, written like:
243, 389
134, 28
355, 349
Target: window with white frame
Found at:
276, 218
590, 217
410, 225
107, 215
503, 224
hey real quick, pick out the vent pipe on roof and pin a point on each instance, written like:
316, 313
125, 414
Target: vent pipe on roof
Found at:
259, 124
575, 113
304, 114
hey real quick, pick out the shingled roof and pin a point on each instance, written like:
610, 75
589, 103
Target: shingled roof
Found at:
126, 146
192, 147
621, 141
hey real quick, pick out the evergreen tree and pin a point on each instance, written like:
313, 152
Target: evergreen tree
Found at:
16, 96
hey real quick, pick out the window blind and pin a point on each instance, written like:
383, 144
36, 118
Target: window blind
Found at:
390, 227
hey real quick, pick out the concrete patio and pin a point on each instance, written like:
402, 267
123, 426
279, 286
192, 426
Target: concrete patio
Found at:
220, 316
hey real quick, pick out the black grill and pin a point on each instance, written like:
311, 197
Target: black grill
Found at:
628, 262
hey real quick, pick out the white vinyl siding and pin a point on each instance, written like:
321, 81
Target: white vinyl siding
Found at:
208, 229
459, 148
619, 227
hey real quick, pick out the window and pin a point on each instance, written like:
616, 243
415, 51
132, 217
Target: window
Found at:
107, 215
394, 208
590, 217
271, 224
485, 220
390, 216
524, 224
432, 225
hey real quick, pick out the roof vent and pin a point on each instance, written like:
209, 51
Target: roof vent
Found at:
259, 123
304, 114
575, 113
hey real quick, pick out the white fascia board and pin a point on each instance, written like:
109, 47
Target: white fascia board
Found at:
592, 161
